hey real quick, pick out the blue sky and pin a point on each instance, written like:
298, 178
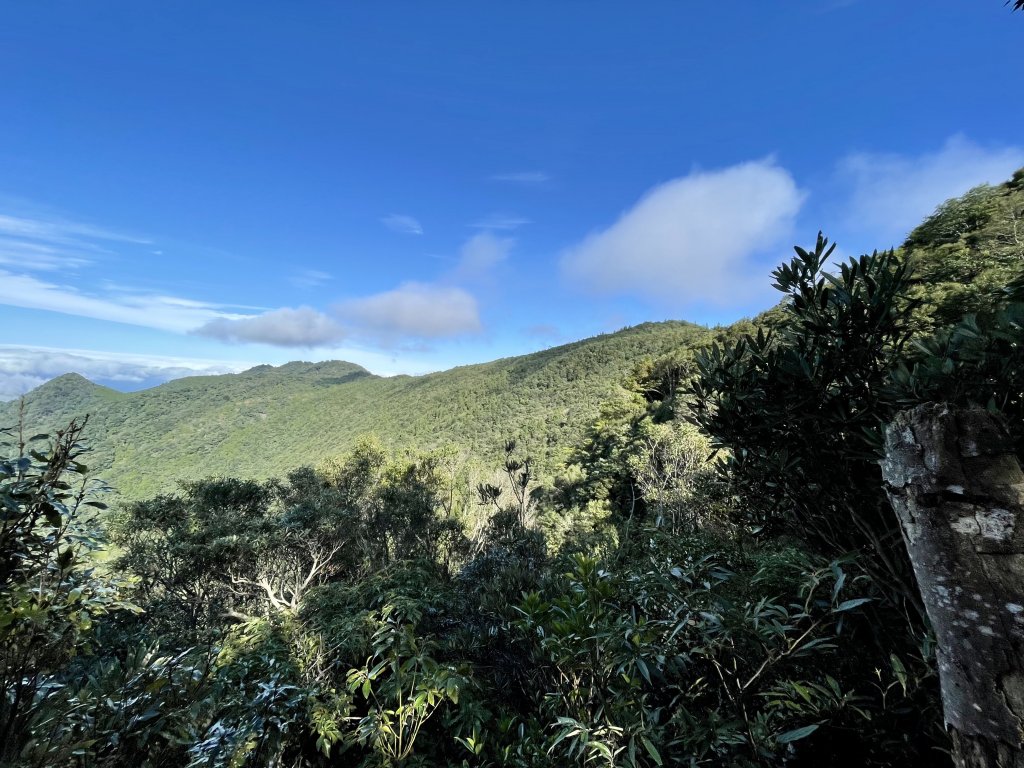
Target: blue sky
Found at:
200, 187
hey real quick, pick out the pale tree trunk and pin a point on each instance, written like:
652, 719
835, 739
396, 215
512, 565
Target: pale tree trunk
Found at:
959, 494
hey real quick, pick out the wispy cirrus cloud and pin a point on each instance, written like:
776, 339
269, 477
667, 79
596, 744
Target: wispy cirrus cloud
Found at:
33, 243
59, 230
523, 177
49, 263
693, 238
41, 257
149, 310
398, 222
310, 278
501, 221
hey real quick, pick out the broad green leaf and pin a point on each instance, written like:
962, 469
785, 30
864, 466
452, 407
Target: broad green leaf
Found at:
796, 734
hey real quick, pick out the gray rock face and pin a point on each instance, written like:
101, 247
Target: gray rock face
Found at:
959, 494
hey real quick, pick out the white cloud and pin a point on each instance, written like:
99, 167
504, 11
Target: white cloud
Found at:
35, 251
286, 327
59, 231
168, 313
310, 278
407, 225
506, 221
14, 385
480, 254
37, 244
41, 257
33, 245
890, 194
23, 368
523, 177
412, 311
692, 238
417, 312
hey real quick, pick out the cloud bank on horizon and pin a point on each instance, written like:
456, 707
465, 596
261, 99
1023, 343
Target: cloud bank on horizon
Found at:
24, 368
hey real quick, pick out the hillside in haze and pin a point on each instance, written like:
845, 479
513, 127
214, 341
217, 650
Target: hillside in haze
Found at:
268, 420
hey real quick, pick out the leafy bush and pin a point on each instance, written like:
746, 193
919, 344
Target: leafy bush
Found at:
797, 412
52, 592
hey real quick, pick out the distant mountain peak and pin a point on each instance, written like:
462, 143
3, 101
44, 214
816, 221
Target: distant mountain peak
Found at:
328, 367
70, 381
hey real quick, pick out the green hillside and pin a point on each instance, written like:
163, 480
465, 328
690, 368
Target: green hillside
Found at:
967, 251
267, 420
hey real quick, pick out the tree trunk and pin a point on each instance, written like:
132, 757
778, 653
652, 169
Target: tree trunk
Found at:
959, 494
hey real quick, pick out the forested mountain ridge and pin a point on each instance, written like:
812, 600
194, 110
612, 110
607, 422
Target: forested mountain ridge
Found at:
268, 420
